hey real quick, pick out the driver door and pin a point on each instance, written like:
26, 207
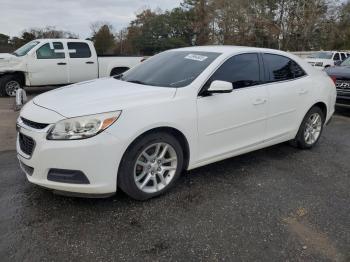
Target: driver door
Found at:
231, 122
49, 65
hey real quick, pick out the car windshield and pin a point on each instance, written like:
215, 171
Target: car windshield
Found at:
170, 69
322, 55
23, 50
346, 62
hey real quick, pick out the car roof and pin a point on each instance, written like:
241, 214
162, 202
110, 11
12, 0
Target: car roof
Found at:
228, 50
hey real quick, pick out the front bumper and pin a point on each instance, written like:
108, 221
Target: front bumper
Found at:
97, 158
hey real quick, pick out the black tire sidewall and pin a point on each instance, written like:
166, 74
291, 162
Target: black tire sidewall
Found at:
300, 139
4, 80
125, 179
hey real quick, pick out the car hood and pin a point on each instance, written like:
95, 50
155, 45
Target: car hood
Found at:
8, 61
6, 56
99, 96
339, 71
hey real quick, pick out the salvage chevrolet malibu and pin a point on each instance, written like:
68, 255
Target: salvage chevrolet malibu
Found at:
179, 110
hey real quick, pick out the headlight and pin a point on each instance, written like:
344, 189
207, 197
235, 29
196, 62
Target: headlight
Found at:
319, 64
82, 127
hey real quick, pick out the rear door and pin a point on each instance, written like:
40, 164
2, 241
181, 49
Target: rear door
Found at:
82, 62
287, 88
49, 65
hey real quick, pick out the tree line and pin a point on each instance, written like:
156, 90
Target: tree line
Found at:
292, 25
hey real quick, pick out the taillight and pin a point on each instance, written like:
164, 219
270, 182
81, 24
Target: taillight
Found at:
334, 79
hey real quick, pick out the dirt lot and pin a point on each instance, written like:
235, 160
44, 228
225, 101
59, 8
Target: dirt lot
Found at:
276, 204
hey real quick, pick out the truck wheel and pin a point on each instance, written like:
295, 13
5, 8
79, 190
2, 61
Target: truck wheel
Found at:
9, 84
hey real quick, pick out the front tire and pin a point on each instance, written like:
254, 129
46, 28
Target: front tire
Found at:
9, 84
310, 129
150, 166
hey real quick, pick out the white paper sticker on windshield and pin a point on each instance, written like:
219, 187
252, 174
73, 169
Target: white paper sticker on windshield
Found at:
200, 58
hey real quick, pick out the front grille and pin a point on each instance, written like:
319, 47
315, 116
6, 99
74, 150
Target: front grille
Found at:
26, 144
33, 124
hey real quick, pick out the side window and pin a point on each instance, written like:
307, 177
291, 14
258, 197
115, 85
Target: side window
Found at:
241, 70
79, 50
46, 52
343, 56
336, 57
281, 68
297, 71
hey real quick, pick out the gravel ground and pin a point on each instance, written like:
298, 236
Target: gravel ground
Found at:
276, 204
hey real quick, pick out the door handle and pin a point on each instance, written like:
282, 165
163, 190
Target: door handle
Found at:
303, 91
89, 62
260, 101
61, 63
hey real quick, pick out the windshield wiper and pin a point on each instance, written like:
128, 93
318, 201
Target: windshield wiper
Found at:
137, 82
119, 77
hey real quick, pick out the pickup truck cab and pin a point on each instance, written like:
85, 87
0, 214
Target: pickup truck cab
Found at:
324, 59
57, 62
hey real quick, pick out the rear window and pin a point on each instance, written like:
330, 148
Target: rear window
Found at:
78, 50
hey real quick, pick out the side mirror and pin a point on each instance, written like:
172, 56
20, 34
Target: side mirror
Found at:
337, 63
218, 86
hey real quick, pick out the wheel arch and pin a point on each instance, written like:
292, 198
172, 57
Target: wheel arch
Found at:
20, 74
322, 106
174, 132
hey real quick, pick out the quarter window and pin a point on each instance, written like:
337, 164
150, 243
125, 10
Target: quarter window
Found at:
46, 52
241, 70
281, 68
79, 50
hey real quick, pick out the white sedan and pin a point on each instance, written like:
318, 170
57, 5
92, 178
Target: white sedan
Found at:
179, 110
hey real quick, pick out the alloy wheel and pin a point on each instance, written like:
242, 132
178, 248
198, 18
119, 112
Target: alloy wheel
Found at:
155, 167
313, 128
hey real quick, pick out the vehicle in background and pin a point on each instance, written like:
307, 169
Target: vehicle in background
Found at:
45, 62
324, 59
179, 110
341, 75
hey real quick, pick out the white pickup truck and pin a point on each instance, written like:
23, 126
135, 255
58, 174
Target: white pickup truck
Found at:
57, 62
324, 59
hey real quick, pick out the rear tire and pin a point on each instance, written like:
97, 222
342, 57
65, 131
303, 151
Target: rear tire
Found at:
310, 129
150, 166
9, 84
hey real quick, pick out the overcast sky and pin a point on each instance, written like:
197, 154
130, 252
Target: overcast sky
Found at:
72, 15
